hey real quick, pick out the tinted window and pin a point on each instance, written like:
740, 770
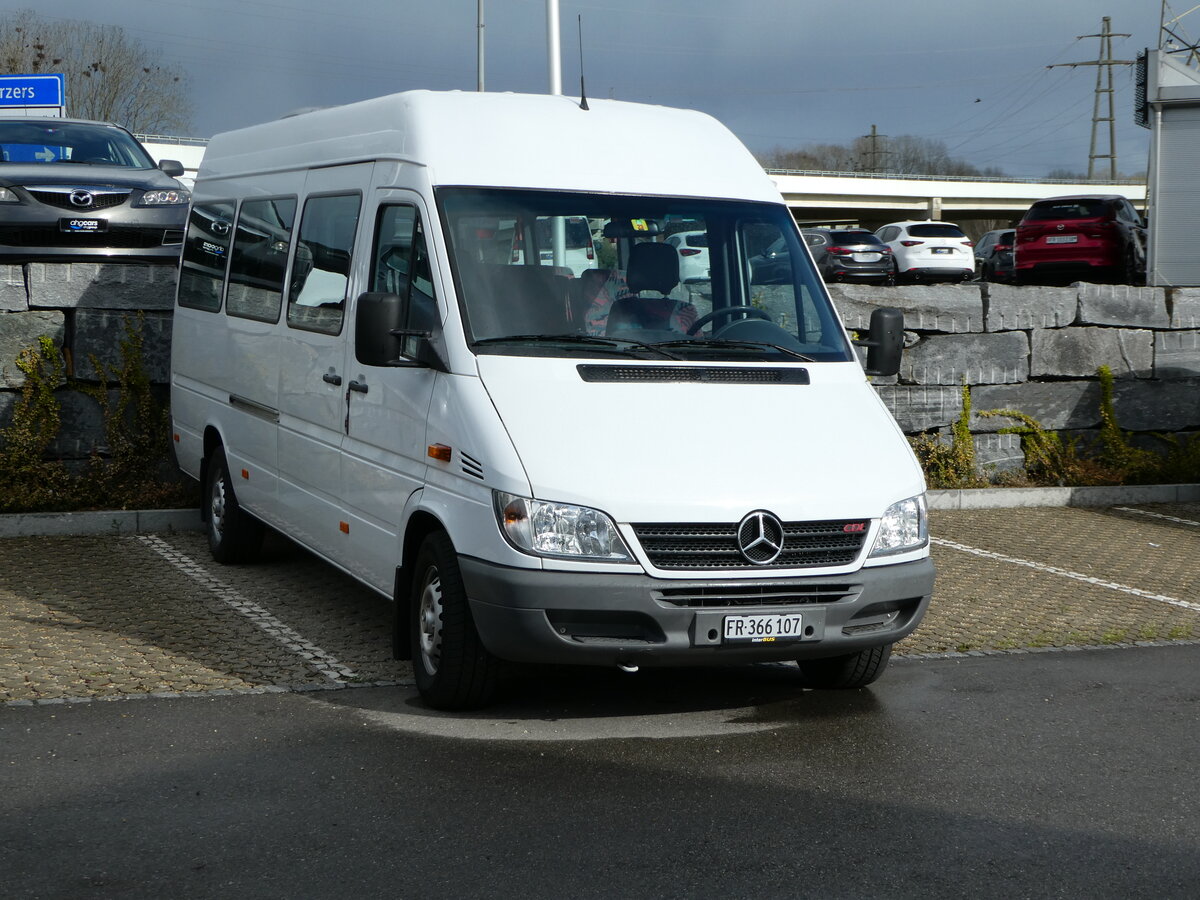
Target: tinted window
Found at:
259, 258
1082, 208
321, 270
854, 237
205, 255
935, 230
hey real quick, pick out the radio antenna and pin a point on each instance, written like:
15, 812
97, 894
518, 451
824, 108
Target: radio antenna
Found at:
583, 104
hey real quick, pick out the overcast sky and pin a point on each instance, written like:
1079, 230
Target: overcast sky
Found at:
779, 73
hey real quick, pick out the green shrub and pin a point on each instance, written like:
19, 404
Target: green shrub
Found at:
136, 471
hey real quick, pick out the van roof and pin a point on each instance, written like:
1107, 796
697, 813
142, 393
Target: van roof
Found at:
507, 140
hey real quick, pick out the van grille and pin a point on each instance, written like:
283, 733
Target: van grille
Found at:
715, 546
733, 595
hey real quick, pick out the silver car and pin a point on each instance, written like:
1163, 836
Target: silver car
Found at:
73, 188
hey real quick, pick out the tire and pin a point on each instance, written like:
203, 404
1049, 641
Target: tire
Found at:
233, 535
452, 668
854, 670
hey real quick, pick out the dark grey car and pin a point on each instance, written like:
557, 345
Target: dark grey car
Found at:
72, 188
850, 254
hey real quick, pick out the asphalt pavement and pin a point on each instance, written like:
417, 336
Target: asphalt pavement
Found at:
172, 727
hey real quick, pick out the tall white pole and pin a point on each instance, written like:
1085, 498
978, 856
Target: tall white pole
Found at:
479, 49
555, 52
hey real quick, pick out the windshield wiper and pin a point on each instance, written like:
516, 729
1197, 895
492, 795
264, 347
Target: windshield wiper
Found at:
621, 344
750, 345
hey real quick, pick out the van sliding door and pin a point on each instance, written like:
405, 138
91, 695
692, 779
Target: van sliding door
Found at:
312, 381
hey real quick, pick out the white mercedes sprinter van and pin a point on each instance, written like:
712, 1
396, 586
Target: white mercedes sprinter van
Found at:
540, 462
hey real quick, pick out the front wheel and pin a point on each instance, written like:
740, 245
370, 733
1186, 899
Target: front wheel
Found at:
452, 668
853, 670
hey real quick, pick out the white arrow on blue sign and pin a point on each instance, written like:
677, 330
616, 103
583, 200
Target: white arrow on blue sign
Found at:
32, 90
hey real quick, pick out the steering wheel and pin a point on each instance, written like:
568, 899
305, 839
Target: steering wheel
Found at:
753, 311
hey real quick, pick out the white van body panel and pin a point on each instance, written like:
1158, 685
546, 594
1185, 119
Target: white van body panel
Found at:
647, 455
532, 141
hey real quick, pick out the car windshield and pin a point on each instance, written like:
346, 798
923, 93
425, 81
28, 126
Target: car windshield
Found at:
935, 230
35, 143
757, 297
1067, 209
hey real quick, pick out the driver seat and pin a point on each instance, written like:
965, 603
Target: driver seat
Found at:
652, 267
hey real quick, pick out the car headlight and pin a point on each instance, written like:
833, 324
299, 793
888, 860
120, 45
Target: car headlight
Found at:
172, 197
559, 529
7, 196
904, 527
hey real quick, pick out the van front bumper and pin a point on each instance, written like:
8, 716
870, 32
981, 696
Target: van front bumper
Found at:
539, 616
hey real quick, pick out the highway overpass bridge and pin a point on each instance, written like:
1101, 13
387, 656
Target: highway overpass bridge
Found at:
872, 200
851, 198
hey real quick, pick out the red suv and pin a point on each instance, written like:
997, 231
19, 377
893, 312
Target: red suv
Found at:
1093, 237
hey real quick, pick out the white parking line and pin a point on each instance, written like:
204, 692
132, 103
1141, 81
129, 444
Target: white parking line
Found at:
313, 655
1154, 515
1066, 573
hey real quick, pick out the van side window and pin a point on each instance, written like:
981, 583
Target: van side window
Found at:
401, 266
259, 258
321, 269
205, 254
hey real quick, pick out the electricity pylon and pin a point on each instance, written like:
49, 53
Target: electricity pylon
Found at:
1104, 90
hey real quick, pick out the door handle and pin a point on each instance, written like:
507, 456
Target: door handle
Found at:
359, 386
332, 378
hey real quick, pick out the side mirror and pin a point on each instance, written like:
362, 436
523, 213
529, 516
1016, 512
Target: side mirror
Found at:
172, 167
379, 339
885, 341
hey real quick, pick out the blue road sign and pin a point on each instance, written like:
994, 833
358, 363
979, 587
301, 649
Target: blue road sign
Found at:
32, 90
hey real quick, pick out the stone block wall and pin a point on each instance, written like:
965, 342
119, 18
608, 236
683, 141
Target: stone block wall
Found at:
1036, 350
82, 307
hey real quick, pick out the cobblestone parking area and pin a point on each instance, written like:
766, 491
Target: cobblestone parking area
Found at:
102, 617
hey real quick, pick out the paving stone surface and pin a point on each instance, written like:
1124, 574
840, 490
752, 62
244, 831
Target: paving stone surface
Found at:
120, 616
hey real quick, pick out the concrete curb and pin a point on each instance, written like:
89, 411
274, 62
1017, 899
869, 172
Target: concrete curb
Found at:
152, 520
100, 522
1012, 498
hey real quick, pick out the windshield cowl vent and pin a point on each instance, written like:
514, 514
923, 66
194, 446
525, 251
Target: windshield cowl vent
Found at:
706, 374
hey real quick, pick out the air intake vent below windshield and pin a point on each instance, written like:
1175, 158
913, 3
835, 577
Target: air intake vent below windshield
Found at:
709, 374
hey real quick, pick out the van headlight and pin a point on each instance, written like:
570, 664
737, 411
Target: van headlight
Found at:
7, 196
904, 527
559, 529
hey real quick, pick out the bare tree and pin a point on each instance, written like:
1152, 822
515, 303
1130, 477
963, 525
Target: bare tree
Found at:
902, 155
110, 76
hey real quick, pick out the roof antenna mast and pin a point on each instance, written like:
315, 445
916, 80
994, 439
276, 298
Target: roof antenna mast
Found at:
583, 104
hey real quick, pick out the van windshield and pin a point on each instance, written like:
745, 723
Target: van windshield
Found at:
547, 273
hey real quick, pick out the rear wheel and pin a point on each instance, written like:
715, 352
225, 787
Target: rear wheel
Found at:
233, 535
452, 668
853, 670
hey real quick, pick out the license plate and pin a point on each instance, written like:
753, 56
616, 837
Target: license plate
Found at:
943, 249
83, 226
1062, 239
866, 257
764, 629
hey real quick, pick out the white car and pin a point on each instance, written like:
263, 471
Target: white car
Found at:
692, 247
929, 251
